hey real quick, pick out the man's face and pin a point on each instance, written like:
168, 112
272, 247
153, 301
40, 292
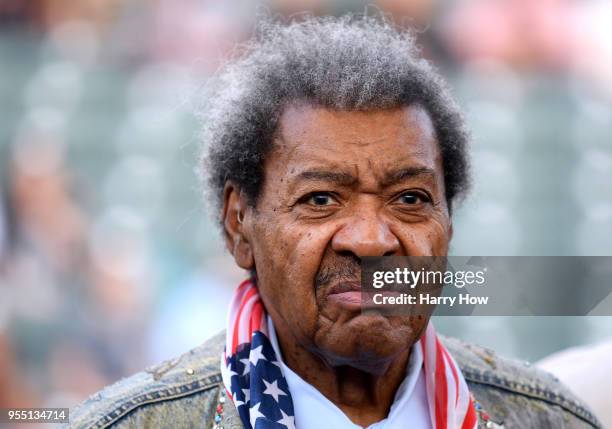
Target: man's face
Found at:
339, 186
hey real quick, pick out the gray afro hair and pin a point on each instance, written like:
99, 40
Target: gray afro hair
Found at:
347, 63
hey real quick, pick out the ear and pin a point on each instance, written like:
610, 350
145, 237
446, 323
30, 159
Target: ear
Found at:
235, 227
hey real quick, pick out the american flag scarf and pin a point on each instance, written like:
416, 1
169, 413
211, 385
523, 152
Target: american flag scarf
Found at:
254, 381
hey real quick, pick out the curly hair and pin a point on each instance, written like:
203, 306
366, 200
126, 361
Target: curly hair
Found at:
344, 63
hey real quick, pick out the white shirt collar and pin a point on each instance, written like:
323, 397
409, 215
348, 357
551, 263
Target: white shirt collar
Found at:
313, 410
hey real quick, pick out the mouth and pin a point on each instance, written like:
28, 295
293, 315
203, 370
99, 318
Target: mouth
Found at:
346, 295
349, 296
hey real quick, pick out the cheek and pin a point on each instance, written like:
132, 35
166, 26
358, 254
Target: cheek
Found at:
425, 239
305, 254
287, 259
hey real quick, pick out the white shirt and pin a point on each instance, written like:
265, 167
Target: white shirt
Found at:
313, 410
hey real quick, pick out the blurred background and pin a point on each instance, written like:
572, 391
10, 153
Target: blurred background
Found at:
109, 261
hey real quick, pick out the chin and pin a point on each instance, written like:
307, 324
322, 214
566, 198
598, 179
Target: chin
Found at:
366, 340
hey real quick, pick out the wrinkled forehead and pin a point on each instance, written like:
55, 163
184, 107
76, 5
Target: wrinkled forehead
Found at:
356, 144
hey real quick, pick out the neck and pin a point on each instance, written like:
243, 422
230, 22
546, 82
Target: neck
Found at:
364, 392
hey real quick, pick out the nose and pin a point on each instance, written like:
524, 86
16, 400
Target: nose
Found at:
366, 235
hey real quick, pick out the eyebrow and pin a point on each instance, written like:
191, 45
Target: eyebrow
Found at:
347, 179
341, 178
397, 176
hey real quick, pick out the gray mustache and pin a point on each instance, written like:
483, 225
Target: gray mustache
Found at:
345, 267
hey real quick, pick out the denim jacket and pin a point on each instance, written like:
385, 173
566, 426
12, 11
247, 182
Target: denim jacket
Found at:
185, 392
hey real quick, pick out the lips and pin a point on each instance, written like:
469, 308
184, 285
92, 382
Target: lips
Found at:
343, 287
346, 295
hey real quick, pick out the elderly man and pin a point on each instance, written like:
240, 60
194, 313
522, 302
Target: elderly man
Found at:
329, 141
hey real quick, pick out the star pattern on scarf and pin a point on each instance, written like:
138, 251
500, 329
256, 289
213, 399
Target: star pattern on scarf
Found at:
273, 390
287, 420
259, 389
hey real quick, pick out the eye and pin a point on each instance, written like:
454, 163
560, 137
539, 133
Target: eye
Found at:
413, 198
319, 199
